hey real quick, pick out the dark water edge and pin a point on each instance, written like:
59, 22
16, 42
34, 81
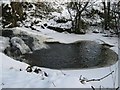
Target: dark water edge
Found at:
79, 55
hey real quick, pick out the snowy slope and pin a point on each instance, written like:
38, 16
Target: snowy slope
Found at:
12, 77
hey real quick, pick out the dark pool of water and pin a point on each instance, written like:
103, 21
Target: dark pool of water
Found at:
84, 54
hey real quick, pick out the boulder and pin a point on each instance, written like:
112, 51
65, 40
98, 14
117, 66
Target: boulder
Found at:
7, 33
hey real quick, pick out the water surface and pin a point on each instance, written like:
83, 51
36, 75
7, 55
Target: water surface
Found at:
83, 54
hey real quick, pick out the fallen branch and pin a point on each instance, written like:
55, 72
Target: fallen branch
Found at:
100, 78
84, 80
62, 72
117, 88
92, 87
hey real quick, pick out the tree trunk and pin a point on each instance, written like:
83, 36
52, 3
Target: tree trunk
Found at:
106, 14
16, 10
77, 25
14, 21
118, 17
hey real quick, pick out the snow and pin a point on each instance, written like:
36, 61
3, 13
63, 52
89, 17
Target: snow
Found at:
38, 38
4, 42
12, 77
47, 35
70, 38
38, 45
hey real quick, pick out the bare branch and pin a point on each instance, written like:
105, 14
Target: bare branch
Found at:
53, 84
92, 87
84, 80
84, 6
100, 78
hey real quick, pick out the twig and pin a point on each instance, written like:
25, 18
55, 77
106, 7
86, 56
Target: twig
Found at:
117, 88
100, 78
115, 77
100, 87
62, 72
92, 87
53, 84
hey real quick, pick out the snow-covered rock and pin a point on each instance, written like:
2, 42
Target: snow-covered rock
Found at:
19, 43
38, 39
38, 44
4, 42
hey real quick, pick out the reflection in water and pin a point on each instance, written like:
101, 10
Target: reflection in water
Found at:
84, 54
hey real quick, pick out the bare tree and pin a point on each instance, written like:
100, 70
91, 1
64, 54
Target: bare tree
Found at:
79, 7
16, 10
12, 14
111, 15
116, 15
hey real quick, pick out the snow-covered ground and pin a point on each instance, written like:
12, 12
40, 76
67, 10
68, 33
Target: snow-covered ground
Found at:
14, 74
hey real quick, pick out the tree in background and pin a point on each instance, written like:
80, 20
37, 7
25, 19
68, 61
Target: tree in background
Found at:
77, 22
116, 16
107, 19
111, 15
12, 13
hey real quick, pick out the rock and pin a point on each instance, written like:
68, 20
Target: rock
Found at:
13, 52
7, 51
19, 43
36, 22
45, 74
107, 45
32, 28
4, 43
61, 21
42, 27
0, 32
7, 33
58, 29
28, 40
29, 69
37, 70
96, 31
45, 24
